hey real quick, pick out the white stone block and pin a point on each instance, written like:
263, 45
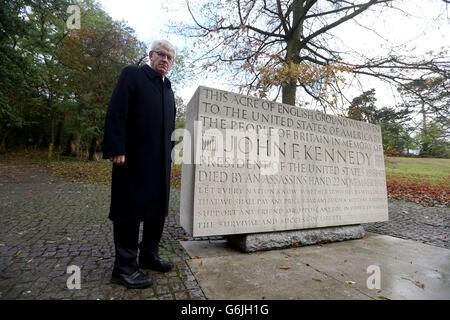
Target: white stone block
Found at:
253, 165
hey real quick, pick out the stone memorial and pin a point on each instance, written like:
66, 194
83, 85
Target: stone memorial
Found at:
267, 174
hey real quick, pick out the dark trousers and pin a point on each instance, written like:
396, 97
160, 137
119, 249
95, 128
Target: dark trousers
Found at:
126, 242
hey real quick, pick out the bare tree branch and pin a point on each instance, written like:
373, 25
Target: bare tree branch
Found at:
293, 38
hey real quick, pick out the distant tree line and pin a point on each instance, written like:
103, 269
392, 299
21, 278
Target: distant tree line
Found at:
420, 123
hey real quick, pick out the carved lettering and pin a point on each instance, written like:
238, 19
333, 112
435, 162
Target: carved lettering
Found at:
264, 166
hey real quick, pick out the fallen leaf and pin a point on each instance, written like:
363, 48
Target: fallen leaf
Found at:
197, 257
201, 263
285, 267
383, 298
318, 280
425, 195
350, 282
319, 244
29, 261
293, 245
17, 254
417, 283
184, 239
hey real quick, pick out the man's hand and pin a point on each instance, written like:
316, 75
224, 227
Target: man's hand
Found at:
120, 160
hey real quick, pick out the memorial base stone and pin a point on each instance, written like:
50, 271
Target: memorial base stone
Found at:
285, 239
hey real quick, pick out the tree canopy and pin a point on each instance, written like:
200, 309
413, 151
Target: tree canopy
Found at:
56, 81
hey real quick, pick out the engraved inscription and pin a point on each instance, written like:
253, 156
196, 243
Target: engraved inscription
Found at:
264, 166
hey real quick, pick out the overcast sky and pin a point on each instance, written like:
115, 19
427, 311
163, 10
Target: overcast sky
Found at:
149, 19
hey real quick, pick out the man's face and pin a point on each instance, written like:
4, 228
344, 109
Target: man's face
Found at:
161, 60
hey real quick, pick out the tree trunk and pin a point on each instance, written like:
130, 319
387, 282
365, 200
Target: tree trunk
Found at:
59, 131
43, 139
3, 142
52, 135
289, 90
289, 93
424, 138
4, 136
68, 146
75, 146
424, 117
92, 149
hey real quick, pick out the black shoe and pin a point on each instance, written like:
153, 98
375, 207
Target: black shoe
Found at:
136, 280
155, 263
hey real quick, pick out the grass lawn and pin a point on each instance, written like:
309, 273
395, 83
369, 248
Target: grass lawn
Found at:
427, 171
421, 180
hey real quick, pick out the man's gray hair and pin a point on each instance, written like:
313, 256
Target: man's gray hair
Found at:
163, 43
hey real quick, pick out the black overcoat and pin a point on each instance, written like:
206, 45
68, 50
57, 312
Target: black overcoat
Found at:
139, 123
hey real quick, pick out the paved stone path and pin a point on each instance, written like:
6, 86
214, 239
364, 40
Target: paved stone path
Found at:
47, 225
407, 220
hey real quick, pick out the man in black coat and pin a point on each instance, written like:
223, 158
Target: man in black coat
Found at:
138, 127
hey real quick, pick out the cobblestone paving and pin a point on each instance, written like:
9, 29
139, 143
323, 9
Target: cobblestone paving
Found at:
407, 220
46, 225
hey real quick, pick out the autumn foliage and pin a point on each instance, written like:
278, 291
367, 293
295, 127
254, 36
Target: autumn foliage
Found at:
419, 193
307, 74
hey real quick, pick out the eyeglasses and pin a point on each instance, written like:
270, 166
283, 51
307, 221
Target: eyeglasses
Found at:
163, 55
